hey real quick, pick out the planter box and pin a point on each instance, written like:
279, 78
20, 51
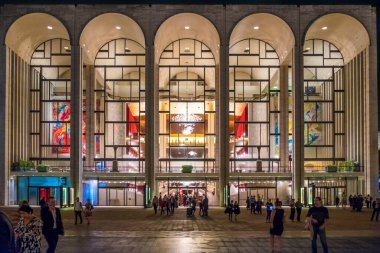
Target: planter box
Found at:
331, 168
42, 168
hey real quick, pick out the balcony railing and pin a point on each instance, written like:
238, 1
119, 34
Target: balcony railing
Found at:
334, 169
110, 169
274, 167
199, 166
44, 169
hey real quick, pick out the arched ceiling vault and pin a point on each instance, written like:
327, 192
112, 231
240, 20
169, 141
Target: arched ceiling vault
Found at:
29, 31
107, 27
342, 30
174, 28
271, 29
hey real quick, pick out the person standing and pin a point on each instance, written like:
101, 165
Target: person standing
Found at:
52, 224
236, 210
88, 211
205, 206
247, 203
376, 209
78, 209
155, 203
299, 210
172, 204
201, 207
6, 234
42, 202
230, 210
350, 200
277, 227
253, 204
269, 206
319, 216
292, 210
28, 231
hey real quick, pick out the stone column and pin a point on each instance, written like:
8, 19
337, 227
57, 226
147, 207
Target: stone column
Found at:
298, 120
372, 116
4, 166
90, 116
151, 116
284, 118
222, 72
76, 163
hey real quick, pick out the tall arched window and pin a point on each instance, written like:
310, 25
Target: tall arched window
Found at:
254, 106
187, 107
50, 101
324, 101
120, 105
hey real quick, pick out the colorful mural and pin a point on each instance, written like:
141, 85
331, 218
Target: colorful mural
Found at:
312, 130
61, 129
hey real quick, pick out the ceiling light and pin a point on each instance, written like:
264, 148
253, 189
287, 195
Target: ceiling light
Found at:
324, 28
66, 48
256, 27
187, 27
308, 48
118, 27
49, 27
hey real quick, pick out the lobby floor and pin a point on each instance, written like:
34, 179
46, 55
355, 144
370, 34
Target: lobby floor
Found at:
139, 230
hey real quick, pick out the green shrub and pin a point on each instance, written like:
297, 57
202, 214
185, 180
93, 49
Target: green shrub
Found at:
42, 168
331, 168
187, 168
346, 166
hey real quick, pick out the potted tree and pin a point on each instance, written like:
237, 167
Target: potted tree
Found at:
187, 168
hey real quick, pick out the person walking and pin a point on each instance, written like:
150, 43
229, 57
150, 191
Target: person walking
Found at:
376, 209
259, 206
201, 207
193, 204
205, 206
247, 203
253, 204
78, 209
350, 200
172, 204
344, 199
6, 234
155, 203
337, 201
28, 231
269, 206
52, 224
88, 211
236, 209
230, 210
299, 210
163, 204
292, 210
277, 227
319, 216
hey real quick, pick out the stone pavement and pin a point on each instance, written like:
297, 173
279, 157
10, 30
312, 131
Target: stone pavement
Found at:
139, 230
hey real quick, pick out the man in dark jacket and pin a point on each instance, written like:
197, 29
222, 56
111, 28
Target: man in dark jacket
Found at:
6, 234
52, 224
205, 206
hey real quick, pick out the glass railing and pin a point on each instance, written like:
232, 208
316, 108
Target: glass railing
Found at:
118, 169
252, 166
41, 169
334, 169
187, 166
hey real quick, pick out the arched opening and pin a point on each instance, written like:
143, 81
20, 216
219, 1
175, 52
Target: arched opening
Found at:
38, 82
335, 53
114, 74
259, 94
187, 46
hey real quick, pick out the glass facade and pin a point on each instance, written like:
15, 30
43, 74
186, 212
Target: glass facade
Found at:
187, 118
324, 105
119, 127
50, 102
254, 107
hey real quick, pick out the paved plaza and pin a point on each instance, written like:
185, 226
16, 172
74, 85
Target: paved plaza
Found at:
139, 230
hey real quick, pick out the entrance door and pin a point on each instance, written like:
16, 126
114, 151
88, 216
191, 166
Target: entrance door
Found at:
264, 193
116, 197
328, 194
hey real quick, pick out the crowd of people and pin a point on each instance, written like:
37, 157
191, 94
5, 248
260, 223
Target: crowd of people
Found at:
24, 230
168, 203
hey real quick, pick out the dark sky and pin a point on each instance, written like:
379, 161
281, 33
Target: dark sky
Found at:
267, 2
